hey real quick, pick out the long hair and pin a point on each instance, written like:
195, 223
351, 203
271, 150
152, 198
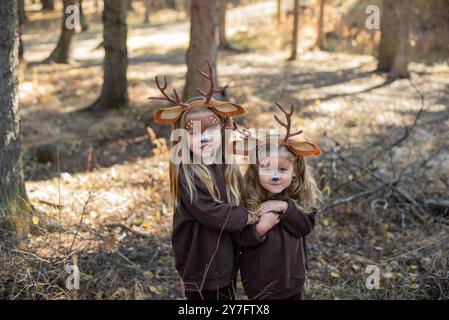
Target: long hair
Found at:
303, 189
231, 172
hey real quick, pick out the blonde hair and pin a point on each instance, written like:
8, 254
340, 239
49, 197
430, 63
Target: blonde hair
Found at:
303, 189
231, 173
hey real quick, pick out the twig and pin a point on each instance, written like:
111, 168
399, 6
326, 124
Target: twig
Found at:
31, 254
354, 197
403, 254
206, 271
81, 220
410, 199
54, 205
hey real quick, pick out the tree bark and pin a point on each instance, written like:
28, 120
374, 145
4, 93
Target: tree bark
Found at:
295, 31
389, 35
114, 94
319, 28
222, 39
203, 44
62, 52
399, 69
48, 5
14, 204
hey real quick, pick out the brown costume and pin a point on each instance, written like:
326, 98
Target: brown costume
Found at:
274, 267
200, 257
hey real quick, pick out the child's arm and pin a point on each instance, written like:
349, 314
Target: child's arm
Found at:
213, 214
256, 233
249, 236
298, 223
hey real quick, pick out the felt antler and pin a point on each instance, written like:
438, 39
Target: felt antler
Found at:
166, 97
287, 125
210, 77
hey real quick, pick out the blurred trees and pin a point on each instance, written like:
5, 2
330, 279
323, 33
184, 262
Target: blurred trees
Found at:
83, 20
394, 44
400, 61
114, 93
22, 19
222, 40
62, 52
13, 199
278, 12
319, 27
202, 46
48, 4
147, 11
22, 13
295, 31
389, 34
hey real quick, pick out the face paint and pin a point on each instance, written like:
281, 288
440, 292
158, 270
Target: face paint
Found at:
204, 137
275, 173
275, 176
207, 121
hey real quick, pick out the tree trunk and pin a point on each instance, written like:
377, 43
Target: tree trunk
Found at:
319, 27
223, 41
22, 19
187, 7
97, 6
14, 204
21, 47
170, 4
22, 13
83, 20
295, 30
203, 44
62, 52
48, 4
114, 94
389, 35
400, 62
130, 5
278, 12
147, 11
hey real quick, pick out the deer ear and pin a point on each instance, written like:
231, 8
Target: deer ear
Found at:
227, 109
168, 115
304, 148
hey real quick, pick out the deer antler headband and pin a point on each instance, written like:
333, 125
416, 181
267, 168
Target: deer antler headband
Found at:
297, 147
171, 115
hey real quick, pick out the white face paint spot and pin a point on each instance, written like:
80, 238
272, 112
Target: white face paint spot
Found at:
275, 176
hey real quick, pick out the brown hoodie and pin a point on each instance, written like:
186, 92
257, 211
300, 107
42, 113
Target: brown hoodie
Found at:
196, 229
274, 267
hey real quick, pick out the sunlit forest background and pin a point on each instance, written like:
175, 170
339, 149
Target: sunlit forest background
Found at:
93, 179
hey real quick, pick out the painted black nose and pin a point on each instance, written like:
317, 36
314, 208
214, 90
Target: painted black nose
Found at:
275, 179
204, 139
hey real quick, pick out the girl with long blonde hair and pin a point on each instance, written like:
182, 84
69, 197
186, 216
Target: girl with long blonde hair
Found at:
205, 189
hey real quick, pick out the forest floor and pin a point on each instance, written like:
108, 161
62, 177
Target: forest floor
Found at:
103, 201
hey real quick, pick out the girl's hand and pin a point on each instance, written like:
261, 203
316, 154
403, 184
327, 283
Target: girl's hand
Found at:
273, 205
267, 221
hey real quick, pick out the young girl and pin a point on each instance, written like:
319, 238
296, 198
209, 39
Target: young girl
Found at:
207, 220
281, 191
